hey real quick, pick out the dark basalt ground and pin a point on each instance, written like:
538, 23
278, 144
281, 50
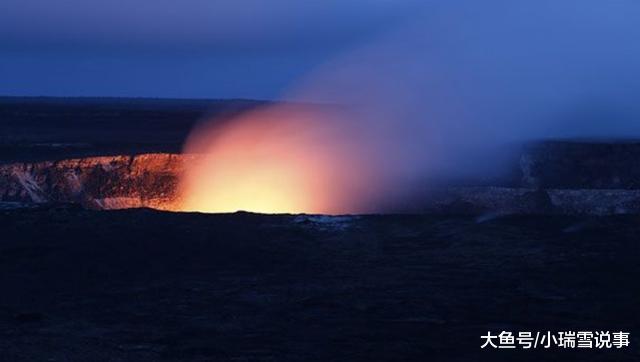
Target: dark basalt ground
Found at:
143, 285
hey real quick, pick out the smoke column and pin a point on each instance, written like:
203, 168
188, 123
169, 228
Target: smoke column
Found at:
434, 99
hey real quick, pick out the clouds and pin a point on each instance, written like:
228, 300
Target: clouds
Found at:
435, 50
228, 24
188, 48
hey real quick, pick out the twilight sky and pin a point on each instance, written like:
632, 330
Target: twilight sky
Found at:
189, 48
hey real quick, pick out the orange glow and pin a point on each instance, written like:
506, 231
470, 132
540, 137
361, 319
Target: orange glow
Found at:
280, 160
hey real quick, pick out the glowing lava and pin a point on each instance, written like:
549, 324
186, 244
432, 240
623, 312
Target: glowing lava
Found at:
279, 160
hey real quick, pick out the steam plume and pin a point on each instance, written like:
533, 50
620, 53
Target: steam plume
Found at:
436, 98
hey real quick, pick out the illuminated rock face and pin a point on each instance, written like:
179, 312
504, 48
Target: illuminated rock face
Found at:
109, 182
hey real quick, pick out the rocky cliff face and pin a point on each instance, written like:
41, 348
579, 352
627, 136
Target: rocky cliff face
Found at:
521, 200
581, 165
551, 177
112, 182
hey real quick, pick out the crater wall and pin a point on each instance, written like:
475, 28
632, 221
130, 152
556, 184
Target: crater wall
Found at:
551, 177
112, 182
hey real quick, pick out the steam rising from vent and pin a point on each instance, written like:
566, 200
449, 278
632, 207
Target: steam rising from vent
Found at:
435, 99
279, 160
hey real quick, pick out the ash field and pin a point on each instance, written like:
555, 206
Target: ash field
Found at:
552, 247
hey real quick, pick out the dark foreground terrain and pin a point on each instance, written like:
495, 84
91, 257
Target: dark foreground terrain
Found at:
143, 285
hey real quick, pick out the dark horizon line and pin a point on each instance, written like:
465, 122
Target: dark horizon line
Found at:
4, 99
136, 98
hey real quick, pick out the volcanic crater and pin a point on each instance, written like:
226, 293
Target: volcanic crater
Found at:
146, 285
548, 177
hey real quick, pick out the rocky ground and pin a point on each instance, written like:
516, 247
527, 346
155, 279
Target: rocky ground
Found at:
143, 285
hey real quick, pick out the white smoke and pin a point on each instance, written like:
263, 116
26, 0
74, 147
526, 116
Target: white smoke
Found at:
440, 97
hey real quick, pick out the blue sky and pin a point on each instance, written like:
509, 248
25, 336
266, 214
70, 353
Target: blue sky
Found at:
190, 48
